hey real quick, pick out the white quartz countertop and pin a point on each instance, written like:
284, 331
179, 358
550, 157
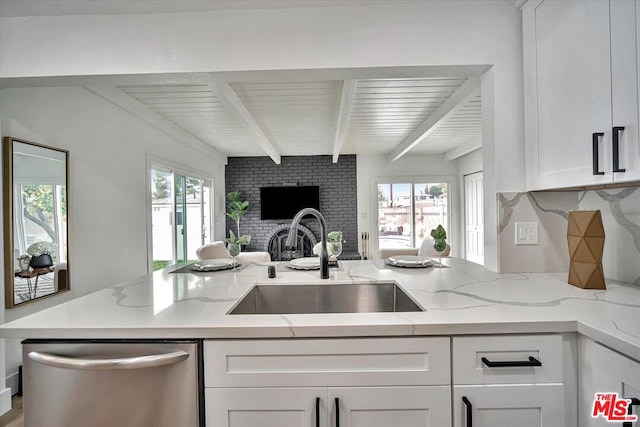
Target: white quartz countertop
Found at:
462, 299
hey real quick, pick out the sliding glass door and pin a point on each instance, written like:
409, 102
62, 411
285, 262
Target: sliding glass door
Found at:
407, 212
180, 216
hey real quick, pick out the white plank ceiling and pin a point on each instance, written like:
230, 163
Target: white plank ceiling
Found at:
304, 118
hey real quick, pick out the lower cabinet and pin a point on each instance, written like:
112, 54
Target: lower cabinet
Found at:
328, 382
333, 407
498, 380
602, 370
530, 405
508, 380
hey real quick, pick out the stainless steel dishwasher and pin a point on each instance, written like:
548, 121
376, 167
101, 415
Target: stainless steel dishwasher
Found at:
81, 383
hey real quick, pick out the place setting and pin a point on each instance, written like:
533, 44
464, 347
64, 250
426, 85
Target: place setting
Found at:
412, 261
210, 265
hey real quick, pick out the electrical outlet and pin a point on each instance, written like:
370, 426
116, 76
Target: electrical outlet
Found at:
526, 233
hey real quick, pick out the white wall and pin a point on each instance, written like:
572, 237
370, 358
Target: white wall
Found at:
375, 35
373, 168
108, 184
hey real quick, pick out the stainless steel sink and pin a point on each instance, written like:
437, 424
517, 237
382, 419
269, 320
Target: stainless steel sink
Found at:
329, 298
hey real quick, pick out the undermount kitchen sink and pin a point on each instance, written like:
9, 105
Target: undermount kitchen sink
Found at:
329, 298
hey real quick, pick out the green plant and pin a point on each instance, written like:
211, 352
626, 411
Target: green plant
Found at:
438, 233
240, 240
237, 208
439, 238
335, 236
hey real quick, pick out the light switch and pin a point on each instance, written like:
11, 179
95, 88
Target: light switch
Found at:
526, 233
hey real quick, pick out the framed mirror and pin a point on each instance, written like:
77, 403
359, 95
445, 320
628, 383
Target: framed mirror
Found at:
36, 224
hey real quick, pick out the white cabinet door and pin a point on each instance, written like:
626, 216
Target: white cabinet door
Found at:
603, 371
390, 406
625, 51
266, 407
567, 92
540, 405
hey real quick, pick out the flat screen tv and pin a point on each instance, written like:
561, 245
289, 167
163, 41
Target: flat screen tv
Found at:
278, 203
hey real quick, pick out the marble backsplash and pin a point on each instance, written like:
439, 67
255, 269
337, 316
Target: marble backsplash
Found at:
620, 210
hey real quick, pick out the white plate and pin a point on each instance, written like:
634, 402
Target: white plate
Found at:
411, 261
213, 264
308, 263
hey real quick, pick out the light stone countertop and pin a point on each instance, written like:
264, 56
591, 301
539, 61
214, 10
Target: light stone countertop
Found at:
462, 299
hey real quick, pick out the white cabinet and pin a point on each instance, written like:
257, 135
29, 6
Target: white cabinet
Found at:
266, 407
316, 382
508, 380
581, 89
390, 406
602, 370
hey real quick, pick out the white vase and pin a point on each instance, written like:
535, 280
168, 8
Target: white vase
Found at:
23, 263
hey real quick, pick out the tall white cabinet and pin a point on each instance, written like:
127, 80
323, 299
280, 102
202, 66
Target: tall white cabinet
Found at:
581, 92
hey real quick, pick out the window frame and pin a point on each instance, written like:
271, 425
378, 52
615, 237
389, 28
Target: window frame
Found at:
159, 163
452, 191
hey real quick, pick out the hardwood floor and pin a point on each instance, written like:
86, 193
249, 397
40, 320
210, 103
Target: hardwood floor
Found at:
13, 418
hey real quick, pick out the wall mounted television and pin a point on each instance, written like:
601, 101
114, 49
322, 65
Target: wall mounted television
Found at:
280, 203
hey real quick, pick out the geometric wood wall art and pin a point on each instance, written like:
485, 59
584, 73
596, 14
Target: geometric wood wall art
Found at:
585, 236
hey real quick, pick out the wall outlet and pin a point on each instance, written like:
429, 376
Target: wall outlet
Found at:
526, 233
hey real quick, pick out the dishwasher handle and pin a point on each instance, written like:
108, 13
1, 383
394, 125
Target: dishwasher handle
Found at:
136, 362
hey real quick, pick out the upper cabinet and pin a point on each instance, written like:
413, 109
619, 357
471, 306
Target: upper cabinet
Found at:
581, 92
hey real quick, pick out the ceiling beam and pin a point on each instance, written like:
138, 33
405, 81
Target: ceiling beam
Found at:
348, 88
123, 100
230, 98
446, 109
463, 149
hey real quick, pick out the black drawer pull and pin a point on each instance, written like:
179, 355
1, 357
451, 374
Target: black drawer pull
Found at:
337, 412
616, 148
317, 412
512, 363
634, 402
595, 137
468, 411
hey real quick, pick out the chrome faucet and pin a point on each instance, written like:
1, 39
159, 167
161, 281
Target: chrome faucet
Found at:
292, 240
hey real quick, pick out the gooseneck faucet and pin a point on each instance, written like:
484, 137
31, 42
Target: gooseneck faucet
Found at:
292, 238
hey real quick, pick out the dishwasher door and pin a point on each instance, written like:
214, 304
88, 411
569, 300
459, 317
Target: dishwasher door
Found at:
112, 383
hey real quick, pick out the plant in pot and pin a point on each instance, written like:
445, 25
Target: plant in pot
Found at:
42, 254
236, 209
439, 241
334, 245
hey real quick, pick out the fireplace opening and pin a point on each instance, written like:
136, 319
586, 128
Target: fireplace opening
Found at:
276, 243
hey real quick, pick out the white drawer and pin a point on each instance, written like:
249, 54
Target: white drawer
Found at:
469, 352
327, 362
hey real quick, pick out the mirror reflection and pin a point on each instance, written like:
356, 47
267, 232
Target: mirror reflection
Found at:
36, 205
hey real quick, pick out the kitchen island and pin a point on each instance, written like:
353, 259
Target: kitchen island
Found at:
462, 299
399, 364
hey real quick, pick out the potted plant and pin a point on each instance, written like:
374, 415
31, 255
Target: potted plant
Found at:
334, 244
41, 254
237, 208
439, 241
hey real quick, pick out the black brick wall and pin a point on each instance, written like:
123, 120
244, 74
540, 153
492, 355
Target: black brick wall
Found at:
338, 191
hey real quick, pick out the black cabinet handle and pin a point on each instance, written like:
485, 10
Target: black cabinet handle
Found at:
595, 137
337, 412
468, 411
512, 363
616, 148
317, 412
634, 402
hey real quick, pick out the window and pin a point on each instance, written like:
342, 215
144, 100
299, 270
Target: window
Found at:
180, 216
407, 212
